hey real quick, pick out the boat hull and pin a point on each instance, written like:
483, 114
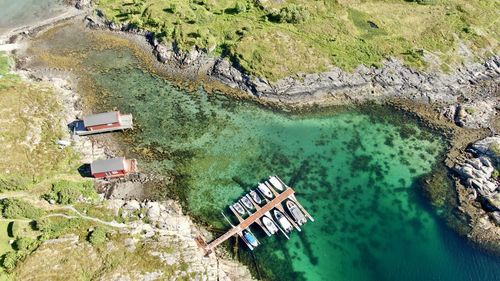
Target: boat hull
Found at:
276, 183
265, 191
239, 208
283, 221
297, 215
269, 224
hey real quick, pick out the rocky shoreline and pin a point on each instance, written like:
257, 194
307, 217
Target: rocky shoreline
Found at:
459, 102
462, 104
163, 223
468, 95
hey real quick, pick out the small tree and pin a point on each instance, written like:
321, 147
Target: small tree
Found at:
25, 243
15, 209
97, 236
290, 14
10, 260
240, 7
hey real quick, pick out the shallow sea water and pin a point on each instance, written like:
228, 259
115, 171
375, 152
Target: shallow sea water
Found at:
17, 13
357, 171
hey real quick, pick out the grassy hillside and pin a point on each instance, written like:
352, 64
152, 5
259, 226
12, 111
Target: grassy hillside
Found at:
29, 128
280, 38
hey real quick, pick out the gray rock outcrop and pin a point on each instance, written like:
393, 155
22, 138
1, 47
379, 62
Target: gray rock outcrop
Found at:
392, 80
478, 172
167, 225
489, 147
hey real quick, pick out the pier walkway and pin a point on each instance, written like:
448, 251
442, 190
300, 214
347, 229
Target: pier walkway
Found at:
237, 230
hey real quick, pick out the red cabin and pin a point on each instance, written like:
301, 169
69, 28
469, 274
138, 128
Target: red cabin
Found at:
113, 167
103, 121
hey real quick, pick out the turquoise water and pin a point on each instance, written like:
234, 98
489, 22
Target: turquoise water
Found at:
18, 13
356, 170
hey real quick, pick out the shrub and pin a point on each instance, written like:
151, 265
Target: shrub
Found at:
68, 192
290, 14
16, 209
97, 236
9, 260
240, 7
25, 243
495, 175
54, 227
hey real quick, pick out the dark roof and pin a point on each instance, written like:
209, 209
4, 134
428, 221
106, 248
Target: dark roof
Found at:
108, 165
101, 118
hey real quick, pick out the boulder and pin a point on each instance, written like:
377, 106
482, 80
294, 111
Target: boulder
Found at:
82, 4
495, 217
488, 147
477, 114
164, 53
154, 210
494, 201
132, 205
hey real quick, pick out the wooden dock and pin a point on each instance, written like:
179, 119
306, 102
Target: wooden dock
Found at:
288, 193
126, 123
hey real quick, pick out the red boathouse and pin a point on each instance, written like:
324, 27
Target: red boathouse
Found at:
113, 167
101, 121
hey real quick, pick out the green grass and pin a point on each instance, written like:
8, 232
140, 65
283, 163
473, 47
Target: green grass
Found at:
68, 192
31, 124
5, 63
5, 236
344, 33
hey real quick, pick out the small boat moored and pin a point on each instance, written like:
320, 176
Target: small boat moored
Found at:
297, 215
265, 190
250, 238
269, 224
255, 197
276, 183
237, 206
247, 203
283, 221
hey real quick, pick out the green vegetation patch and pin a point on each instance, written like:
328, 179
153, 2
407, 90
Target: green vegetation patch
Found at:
5, 236
13, 208
97, 236
5, 63
56, 226
69, 192
29, 129
276, 39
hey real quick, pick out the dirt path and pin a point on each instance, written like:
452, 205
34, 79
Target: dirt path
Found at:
46, 206
73, 209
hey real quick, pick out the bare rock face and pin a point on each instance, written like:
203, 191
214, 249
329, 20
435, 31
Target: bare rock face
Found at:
82, 4
168, 227
476, 114
164, 52
392, 80
479, 173
489, 147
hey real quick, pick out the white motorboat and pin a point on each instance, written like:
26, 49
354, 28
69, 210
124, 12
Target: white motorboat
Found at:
237, 206
283, 221
297, 215
270, 225
255, 197
276, 183
265, 190
247, 203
